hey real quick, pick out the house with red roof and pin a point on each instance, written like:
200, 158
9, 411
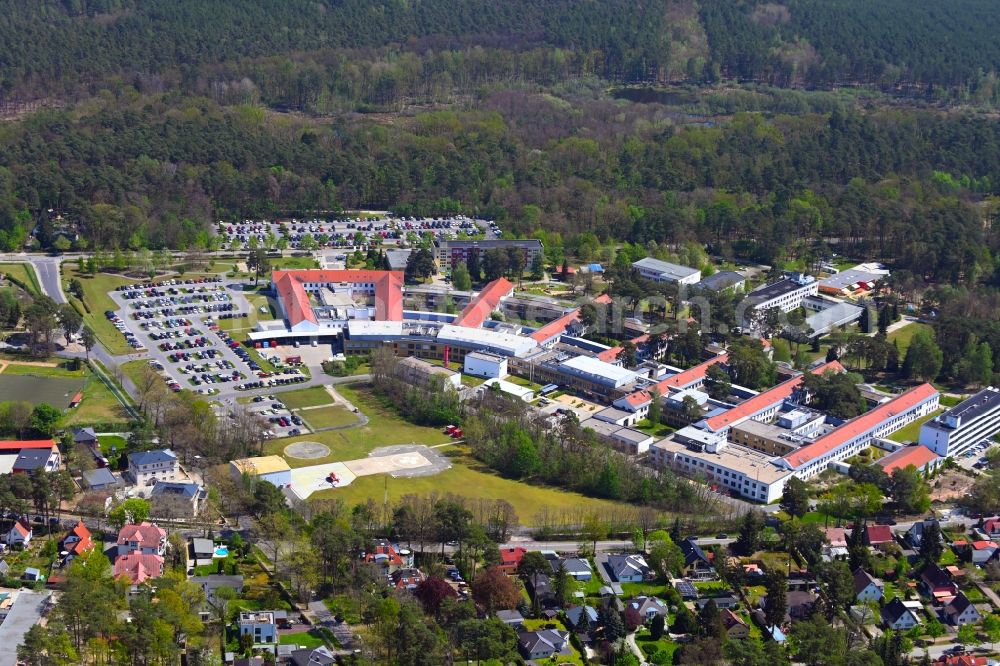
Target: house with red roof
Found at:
937, 583
980, 552
878, 536
636, 402
145, 537
510, 558
385, 554
991, 528
19, 535
77, 542
918, 455
139, 567
25, 456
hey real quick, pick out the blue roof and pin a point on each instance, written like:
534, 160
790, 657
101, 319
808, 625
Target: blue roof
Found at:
595, 268
152, 457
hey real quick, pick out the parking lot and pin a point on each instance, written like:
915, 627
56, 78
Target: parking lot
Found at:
283, 422
176, 322
349, 233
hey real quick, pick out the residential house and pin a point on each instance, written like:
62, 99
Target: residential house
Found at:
576, 568
101, 478
981, 551
510, 559
174, 499
139, 566
878, 536
85, 437
627, 568
736, 627
31, 574
148, 467
77, 542
914, 536
725, 601
201, 551
697, 563
991, 528
320, 656
386, 555
647, 607
937, 583
867, 587
209, 584
19, 535
540, 588
896, 616
960, 611
963, 660
581, 619
145, 537
800, 604
542, 644
687, 591
511, 618
407, 579
836, 544
262, 625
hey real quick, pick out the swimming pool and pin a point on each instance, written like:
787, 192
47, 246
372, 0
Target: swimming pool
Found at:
221, 551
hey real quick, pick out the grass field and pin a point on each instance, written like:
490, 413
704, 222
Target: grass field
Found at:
95, 296
328, 417
36, 389
307, 397
467, 478
307, 639
99, 404
911, 432
24, 274
902, 336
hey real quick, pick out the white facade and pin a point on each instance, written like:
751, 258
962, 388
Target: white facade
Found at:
664, 271
956, 430
481, 364
148, 467
786, 295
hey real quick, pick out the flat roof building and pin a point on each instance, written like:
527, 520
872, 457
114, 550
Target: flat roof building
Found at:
722, 281
450, 253
664, 271
597, 371
973, 420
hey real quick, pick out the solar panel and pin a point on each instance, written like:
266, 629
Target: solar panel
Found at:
686, 589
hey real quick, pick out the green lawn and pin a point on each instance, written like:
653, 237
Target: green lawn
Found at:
653, 429
307, 397
99, 404
308, 639
638, 589
650, 647
328, 417
23, 273
911, 432
60, 370
97, 300
902, 336
469, 479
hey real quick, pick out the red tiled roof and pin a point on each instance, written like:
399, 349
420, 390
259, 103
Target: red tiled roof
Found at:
148, 535
961, 660
690, 375
17, 445
388, 291
554, 328
610, 355
875, 534
139, 567
860, 425
758, 403
485, 302
836, 536
603, 299
918, 456
21, 528
991, 525
83, 542
638, 398
512, 556
984, 545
